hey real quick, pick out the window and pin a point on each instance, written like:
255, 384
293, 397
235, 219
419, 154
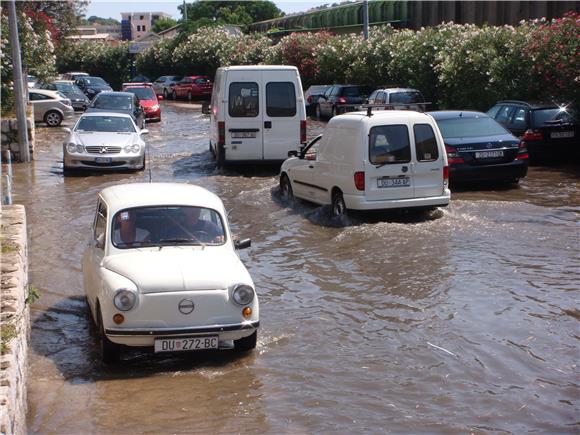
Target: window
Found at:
373, 97
380, 98
519, 119
138, 28
243, 100
389, 144
280, 99
493, 111
503, 115
425, 143
141, 17
350, 92
201, 81
143, 27
38, 97
100, 225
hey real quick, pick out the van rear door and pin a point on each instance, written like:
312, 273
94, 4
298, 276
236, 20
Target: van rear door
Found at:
389, 175
428, 169
243, 117
284, 109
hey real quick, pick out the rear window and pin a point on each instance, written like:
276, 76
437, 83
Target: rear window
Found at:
350, 92
202, 81
389, 144
406, 97
120, 102
280, 99
425, 143
540, 117
243, 100
470, 127
142, 93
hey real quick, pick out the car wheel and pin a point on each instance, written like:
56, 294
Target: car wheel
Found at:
188, 95
221, 156
246, 343
165, 93
317, 111
110, 352
53, 118
211, 149
334, 111
338, 208
286, 189
174, 95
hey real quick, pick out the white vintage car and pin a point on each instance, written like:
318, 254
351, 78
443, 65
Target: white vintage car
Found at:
161, 271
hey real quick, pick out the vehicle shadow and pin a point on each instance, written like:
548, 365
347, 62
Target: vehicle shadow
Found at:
64, 333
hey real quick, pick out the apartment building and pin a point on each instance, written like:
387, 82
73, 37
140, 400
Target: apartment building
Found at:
136, 24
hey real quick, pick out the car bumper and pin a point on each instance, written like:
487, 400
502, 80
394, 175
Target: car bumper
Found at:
92, 161
80, 105
153, 115
499, 172
359, 202
68, 113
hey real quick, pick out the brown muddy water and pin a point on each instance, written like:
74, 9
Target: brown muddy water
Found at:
465, 320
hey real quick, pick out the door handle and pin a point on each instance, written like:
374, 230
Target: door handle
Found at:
267, 124
311, 166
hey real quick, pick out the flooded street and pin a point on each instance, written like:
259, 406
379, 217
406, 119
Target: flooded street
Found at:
463, 320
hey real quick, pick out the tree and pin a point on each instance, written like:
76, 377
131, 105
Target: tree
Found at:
163, 24
58, 17
102, 21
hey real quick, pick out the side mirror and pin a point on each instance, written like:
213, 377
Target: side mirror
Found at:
66, 129
144, 131
242, 244
205, 108
292, 153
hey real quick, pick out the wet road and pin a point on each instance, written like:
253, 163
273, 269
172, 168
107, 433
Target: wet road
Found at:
463, 320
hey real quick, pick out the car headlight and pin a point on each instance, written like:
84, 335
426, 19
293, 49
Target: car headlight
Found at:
135, 148
155, 107
80, 148
125, 299
71, 147
243, 294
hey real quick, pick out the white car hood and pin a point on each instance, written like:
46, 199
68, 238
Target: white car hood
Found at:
100, 139
174, 269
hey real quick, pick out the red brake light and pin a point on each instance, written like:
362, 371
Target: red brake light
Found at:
445, 175
341, 100
532, 135
359, 180
453, 156
302, 131
221, 133
522, 152
309, 99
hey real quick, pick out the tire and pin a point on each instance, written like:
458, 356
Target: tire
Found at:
338, 207
221, 156
317, 112
286, 189
247, 343
174, 95
165, 93
110, 352
66, 172
52, 118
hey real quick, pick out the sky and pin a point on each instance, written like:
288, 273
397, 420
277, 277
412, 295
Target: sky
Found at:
113, 9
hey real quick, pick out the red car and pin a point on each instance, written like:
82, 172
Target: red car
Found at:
147, 99
191, 87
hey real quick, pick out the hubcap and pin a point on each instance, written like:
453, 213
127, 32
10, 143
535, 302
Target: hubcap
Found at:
338, 207
52, 119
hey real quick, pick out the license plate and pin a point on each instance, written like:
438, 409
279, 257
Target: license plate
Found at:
393, 182
488, 154
103, 159
186, 344
561, 134
243, 134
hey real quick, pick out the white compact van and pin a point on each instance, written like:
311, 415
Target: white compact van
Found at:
371, 161
257, 113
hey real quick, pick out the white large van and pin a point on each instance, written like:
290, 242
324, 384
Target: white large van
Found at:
257, 113
371, 161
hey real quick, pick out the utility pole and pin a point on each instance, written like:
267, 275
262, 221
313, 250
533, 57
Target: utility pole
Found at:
366, 19
19, 96
184, 11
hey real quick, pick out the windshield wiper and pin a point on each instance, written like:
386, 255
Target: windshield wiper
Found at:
179, 240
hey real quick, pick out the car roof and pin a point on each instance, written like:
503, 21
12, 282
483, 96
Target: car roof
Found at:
118, 114
529, 104
451, 114
379, 116
116, 93
259, 67
70, 82
48, 92
398, 90
129, 195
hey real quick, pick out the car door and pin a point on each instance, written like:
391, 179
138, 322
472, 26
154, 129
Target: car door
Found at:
428, 162
324, 101
281, 117
40, 103
518, 121
138, 113
302, 173
94, 253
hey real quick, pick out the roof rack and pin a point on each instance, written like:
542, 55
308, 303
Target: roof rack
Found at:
390, 106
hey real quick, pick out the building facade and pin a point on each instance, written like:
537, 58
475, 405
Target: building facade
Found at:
134, 25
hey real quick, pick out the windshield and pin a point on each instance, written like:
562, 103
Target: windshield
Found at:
65, 87
142, 93
554, 115
470, 127
95, 81
406, 97
112, 102
105, 124
167, 226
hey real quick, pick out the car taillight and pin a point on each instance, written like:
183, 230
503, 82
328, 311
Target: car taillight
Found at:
522, 152
359, 180
302, 131
309, 99
341, 100
445, 175
221, 133
532, 135
453, 156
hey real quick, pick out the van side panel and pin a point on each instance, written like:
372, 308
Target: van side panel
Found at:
216, 108
429, 159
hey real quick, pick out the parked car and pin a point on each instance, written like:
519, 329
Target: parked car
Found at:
398, 99
91, 86
162, 272
164, 85
119, 102
31, 81
389, 159
479, 149
340, 99
549, 131
73, 75
311, 96
191, 87
147, 99
140, 79
104, 141
78, 99
257, 114
50, 107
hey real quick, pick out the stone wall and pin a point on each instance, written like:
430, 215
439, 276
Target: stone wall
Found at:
14, 320
9, 130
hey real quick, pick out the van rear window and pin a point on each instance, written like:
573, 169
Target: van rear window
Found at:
244, 100
425, 143
389, 144
280, 99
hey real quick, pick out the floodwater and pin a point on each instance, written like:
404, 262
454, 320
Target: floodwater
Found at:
463, 320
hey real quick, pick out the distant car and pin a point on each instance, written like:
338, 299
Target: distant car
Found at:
479, 149
119, 102
190, 87
340, 99
78, 99
73, 75
31, 81
50, 107
162, 272
550, 131
164, 85
140, 79
398, 99
147, 99
104, 141
311, 96
91, 86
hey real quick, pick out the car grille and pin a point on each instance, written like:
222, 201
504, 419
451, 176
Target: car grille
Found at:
103, 149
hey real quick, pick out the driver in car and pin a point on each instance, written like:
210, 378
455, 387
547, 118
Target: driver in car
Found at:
197, 229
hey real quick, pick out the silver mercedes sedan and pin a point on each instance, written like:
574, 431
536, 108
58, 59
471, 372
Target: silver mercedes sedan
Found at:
104, 141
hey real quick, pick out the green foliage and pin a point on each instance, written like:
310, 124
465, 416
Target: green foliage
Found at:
102, 21
163, 24
7, 333
33, 294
